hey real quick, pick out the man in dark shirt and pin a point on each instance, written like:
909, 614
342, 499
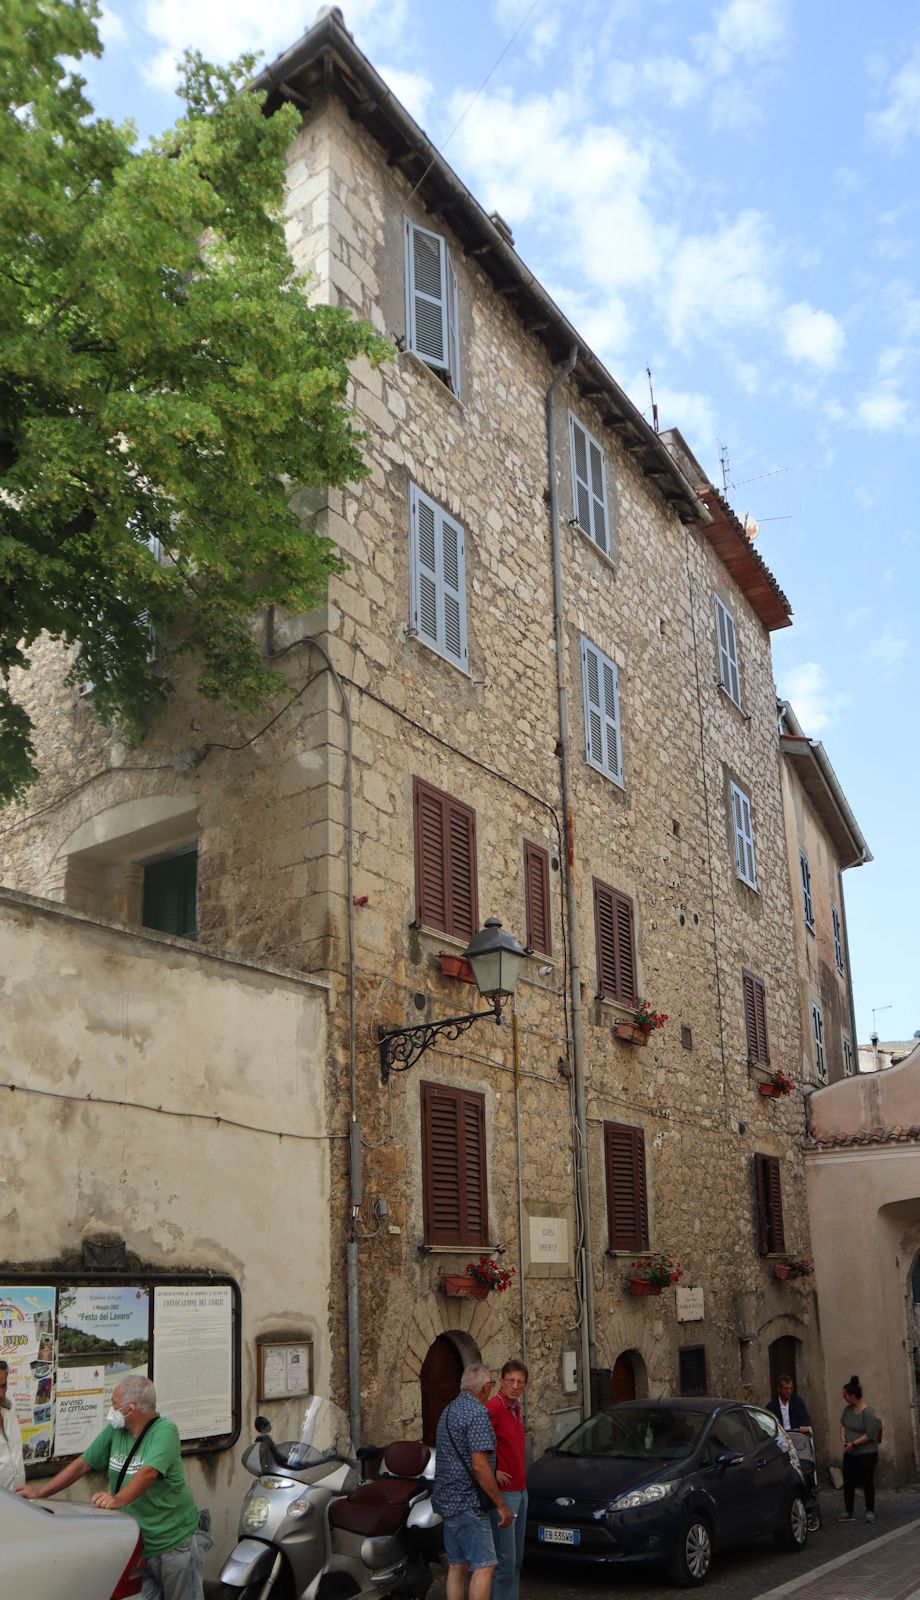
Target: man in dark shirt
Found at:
465, 1453
789, 1408
507, 1415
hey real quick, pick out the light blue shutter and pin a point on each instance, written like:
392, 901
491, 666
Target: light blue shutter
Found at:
729, 676
426, 295
437, 560
806, 889
817, 1024
589, 484
453, 325
742, 824
603, 743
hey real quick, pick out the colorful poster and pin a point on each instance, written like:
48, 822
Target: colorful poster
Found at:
192, 1358
103, 1334
27, 1345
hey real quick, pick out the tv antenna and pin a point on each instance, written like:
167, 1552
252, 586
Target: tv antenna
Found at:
874, 1010
652, 398
726, 468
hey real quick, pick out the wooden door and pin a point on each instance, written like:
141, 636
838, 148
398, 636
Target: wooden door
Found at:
440, 1380
622, 1380
783, 1361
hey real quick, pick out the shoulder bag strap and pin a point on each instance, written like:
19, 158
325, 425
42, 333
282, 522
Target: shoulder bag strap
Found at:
133, 1452
459, 1454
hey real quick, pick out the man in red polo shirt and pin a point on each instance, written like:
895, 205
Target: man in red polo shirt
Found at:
507, 1416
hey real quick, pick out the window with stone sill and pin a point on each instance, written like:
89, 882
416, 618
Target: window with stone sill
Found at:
432, 304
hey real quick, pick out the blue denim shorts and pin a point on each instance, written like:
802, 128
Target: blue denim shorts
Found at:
468, 1540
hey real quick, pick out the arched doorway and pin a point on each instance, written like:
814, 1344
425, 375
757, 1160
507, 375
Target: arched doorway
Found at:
440, 1380
622, 1379
783, 1355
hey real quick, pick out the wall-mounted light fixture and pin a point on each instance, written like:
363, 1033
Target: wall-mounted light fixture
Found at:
495, 957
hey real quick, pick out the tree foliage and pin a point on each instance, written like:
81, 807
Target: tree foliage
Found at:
163, 382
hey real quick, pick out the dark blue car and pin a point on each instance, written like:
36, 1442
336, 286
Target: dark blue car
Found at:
668, 1481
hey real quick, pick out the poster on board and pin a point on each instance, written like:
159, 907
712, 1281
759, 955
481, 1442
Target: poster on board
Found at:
27, 1346
193, 1358
103, 1334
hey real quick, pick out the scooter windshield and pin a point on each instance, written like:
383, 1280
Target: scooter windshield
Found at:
324, 1433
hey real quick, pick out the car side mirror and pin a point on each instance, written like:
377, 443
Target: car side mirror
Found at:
728, 1458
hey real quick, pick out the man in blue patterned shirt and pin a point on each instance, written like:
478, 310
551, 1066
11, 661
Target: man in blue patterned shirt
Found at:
465, 1457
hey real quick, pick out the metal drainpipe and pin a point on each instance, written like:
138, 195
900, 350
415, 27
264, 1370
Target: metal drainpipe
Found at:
352, 1283
586, 1260
516, 1048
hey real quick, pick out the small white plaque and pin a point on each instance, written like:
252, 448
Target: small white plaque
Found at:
690, 1304
549, 1241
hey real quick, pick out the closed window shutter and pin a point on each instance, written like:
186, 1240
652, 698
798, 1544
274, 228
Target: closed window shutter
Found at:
806, 889
589, 484
453, 1166
536, 897
729, 675
453, 326
838, 938
603, 741
426, 293
771, 1233
817, 1024
755, 1019
616, 946
627, 1198
438, 563
743, 830
445, 862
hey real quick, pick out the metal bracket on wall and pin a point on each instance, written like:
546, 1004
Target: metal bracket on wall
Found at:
401, 1048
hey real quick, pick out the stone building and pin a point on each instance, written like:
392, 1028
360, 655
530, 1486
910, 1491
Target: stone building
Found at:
542, 691
824, 840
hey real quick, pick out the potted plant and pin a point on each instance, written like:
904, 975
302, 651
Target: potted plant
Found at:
778, 1084
453, 966
480, 1278
641, 1023
653, 1272
793, 1267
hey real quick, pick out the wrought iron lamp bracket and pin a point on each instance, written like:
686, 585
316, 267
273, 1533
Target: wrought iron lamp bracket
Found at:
401, 1048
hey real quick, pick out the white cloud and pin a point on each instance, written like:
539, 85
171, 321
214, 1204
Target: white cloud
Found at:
899, 119
539, 28
412, 88
722, 278
889, 649
223, 29
855, 619
745, 30
813, 337
882, 411
807, 689
864, 497
112, 30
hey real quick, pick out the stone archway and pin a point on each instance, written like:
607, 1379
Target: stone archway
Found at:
785, 1357
474, 1330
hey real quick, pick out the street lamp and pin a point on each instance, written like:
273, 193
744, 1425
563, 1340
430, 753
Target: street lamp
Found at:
495, 957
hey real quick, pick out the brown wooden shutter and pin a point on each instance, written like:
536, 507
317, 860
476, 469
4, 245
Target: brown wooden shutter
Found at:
536, 896
755, 1019
627, 1196
445, 862
454, 1166
616, 944
771, 1233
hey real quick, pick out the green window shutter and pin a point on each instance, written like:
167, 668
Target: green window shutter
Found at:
170, 895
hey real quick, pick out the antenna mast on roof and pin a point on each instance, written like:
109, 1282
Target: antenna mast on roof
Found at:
726, 469
652, 398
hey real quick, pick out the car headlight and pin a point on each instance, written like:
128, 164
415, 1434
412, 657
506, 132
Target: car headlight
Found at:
255, 1513
643, 1497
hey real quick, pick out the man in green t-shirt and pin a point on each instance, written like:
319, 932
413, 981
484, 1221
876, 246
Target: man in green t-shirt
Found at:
140, 1450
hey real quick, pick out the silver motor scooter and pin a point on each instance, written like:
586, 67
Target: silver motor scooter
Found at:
310, 1531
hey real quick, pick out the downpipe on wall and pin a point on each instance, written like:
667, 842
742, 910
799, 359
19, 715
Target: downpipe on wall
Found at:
585, 1263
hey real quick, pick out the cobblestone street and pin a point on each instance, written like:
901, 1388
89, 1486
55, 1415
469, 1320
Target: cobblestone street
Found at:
758, 1569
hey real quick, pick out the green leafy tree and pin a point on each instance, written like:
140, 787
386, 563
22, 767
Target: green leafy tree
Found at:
164, 384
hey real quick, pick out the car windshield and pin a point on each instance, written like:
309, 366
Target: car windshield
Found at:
637, 1434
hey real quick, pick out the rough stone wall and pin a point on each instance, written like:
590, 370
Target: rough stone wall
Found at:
820, 979
273, 840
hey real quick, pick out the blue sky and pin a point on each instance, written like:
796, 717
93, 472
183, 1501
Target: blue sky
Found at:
728, 194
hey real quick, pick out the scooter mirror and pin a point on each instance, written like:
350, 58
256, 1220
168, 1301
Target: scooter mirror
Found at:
368, 1452
262, 1425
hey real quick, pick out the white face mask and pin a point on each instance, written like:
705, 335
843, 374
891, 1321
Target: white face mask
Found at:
115, 1419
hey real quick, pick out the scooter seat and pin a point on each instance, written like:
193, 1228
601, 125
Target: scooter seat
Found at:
375, 1508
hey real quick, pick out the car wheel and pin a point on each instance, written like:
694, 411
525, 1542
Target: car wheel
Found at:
793, 1532
692, 1559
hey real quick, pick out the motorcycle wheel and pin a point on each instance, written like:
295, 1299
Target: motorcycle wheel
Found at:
279, 1590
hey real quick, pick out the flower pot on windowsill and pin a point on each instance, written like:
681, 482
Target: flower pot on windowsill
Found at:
461, 1287
630, 1032
781, 1271
456, 967
770, 1091
644, 1286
